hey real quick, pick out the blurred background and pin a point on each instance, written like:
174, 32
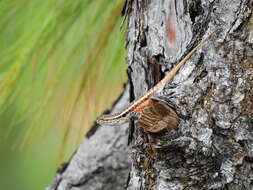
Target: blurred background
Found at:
61, 65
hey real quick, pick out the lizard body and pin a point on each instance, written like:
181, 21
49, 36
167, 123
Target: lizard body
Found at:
118, 117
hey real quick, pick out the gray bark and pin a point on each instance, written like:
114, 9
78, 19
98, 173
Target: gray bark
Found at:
213, 95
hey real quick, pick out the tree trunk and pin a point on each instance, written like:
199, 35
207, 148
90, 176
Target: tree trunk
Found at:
212, 148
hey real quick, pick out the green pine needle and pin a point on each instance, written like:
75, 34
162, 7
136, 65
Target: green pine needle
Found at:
60, 63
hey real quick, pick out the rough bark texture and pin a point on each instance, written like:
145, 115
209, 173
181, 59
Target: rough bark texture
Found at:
212, 94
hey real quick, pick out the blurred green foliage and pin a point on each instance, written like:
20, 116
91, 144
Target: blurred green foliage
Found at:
62, 63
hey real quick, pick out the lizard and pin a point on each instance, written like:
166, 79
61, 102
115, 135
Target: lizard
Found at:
125, 114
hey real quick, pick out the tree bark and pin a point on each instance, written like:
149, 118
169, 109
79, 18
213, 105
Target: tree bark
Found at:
212, 94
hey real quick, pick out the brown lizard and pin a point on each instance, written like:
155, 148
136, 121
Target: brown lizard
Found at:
126, 113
